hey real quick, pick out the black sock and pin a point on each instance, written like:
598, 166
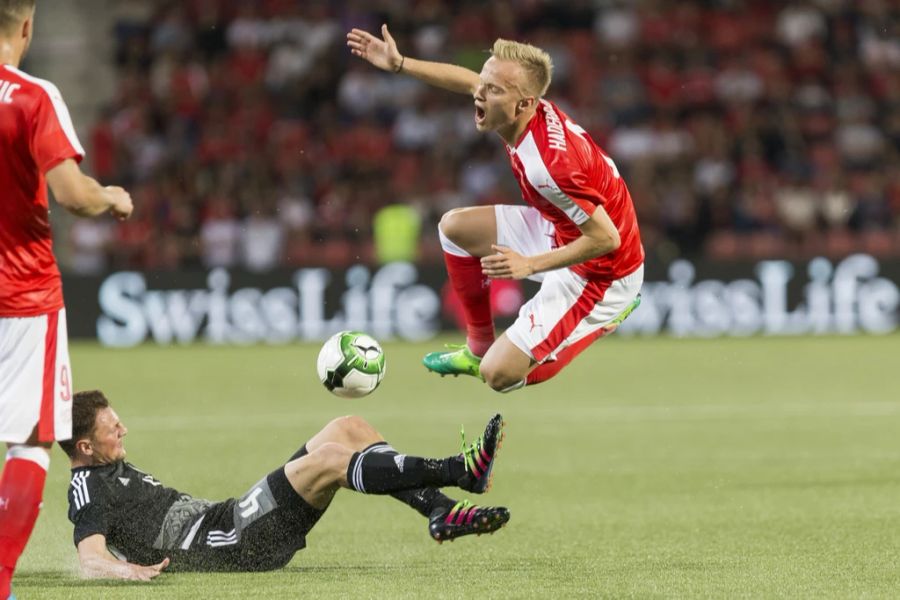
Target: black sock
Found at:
379, 469
425, 500
299, 453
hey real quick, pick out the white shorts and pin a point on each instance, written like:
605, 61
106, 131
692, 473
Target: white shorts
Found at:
35, 378
568, 307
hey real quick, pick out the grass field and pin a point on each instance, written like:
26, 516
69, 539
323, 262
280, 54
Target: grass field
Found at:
649, 468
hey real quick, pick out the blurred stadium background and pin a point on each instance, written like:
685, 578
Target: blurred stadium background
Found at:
252, 141
285, 190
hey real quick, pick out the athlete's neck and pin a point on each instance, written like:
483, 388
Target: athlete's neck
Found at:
9, 54
513, 133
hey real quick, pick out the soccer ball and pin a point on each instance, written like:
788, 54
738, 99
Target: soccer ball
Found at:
351, 364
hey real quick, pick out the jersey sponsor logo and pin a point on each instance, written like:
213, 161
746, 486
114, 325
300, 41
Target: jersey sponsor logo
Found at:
250, 504
533, 323
7, 89
556, 135
80, 490
218, 538
124, 480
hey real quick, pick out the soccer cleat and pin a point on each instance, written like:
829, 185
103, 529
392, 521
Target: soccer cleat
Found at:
466, 518
459, 360
614, 324
479, 457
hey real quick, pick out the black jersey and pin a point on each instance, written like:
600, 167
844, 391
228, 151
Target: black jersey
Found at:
144, 521
122, 503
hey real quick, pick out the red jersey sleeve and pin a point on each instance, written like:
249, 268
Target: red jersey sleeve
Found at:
577, 186
53, 137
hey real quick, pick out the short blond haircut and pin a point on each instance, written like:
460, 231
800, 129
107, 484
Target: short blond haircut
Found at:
13, 12
537, 63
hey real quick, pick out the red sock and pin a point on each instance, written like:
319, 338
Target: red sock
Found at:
547, 370
474, 292
21, 491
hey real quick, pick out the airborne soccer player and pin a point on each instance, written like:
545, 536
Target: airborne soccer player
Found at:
130, 526
579, 235
37, 145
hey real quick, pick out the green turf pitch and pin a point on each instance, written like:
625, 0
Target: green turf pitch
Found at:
649, 468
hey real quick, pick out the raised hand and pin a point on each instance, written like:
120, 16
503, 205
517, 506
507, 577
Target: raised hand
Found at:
381, 53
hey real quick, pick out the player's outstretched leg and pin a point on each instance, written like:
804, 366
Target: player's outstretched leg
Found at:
465, 518
480, 455
457, 360
379, 469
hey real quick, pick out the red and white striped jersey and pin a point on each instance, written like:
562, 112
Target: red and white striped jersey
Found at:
566, 176
36, 134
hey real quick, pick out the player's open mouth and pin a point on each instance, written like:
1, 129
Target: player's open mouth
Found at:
479, 114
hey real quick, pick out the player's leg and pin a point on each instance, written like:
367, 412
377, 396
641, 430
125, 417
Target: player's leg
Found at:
355, 433
561, 321
505, 366
35, 409
518, 227
466, 235
379, 469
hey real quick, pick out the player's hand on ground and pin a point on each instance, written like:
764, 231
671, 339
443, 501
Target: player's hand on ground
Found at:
381, 53
146, 573
506, 264
120, 202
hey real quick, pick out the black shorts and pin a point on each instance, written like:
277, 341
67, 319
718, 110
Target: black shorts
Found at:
260, 531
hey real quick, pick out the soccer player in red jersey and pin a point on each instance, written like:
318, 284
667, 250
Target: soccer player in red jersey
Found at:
578, 236
38, 145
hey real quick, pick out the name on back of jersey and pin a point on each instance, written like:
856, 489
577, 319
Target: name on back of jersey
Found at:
7, 89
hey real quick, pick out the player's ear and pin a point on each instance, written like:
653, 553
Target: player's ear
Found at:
525, 103
28, 26
84, 446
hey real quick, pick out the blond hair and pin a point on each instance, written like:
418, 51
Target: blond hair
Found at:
13, 12
537, 63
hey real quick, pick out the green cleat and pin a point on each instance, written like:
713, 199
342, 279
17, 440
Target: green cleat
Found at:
459, 360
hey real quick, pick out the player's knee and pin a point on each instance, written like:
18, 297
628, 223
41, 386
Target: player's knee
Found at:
498, 378
331, 460
352, 431
452, 225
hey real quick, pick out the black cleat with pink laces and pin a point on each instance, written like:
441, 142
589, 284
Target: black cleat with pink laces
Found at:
479, 457
466, 518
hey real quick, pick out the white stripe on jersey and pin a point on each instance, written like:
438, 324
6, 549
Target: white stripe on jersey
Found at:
190, 536
539, 177
59, 106
80, 489
217, 538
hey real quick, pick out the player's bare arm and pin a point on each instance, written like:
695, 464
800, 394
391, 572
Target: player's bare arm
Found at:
83, 195
98, 563
383, 53
599, 237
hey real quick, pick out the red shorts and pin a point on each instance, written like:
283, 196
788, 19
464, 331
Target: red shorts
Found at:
35, 378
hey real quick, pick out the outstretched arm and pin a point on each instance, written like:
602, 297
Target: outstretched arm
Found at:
383, 53
83, 196
97, 562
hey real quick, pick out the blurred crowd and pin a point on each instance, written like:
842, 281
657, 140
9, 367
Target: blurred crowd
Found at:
251, 137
